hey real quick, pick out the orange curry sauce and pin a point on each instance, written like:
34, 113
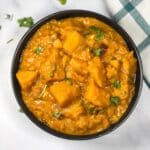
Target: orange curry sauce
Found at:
77, 75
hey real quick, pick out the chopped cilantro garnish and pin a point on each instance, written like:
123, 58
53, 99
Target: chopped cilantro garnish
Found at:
100, 35
94, 28
57, 114
117, 84
97, 52
114, 100
38, 50
26, 22
98, 31
63, 2
91, 109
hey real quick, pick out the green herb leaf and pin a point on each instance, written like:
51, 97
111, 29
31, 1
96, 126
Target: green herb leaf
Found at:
63, 2
100, 35
57, 114
69, 81
26, 22
97, 52
38, 50
115, 100
9, 41
117, 84
92, 109
89, 109
94, 28
96, 111
98, 31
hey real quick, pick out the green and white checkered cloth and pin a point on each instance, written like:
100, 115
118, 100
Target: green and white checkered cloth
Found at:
134, 17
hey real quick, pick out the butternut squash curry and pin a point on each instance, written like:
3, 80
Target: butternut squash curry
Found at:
77, 75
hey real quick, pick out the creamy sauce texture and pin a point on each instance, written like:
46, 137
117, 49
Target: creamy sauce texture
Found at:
77, 75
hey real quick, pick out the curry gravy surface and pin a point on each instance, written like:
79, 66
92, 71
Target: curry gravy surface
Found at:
77, 75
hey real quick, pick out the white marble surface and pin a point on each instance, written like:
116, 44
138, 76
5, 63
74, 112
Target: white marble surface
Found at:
17, 132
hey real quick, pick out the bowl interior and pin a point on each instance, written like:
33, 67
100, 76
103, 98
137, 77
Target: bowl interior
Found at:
62, 15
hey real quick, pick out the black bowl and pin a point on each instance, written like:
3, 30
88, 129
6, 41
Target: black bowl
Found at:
66, 14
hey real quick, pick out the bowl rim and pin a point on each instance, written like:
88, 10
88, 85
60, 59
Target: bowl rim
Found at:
66, 14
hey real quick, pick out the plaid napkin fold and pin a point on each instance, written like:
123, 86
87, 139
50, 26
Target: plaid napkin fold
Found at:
134, 17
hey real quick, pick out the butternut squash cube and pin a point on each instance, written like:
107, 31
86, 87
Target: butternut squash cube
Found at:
26, 78
129, 64
97, 96
74, 111
79, 66
72, 41
82, 53
57, 43
64, 93
97, 71
52, 68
